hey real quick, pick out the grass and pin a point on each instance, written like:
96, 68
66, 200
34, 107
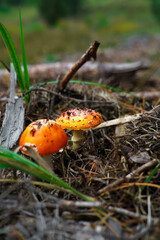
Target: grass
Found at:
26, 75
106, 21
12, 160
85, 82
23, 80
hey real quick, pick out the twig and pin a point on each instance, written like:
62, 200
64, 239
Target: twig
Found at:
142, 168
40, 219
90, 53
5, 65
64, 204
118, 121
50, 71
128, 213
146, 95
11, 188
52, 102
126, 119
80, 204
145, 166
64, 97
145, 229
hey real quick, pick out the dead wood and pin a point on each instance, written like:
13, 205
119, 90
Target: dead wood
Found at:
91, 53
128, 213
14, 116
119, 121
128, 176
50, 71
54, 93
44, 212
146, 95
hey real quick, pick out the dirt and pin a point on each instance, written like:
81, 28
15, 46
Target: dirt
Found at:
112, 164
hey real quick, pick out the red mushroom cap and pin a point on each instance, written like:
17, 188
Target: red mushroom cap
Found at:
79, 119
44, 136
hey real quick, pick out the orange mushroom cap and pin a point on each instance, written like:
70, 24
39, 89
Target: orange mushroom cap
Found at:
79, 119
44, 136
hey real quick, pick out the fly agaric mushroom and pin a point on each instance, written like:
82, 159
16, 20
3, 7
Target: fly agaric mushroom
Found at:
45, 137
79, 120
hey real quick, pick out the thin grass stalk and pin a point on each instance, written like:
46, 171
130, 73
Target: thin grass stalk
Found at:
10, 159
26, 75
14, 58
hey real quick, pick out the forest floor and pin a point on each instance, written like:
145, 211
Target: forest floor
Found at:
111, 166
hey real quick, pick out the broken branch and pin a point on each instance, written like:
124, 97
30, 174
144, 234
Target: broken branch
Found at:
90, 53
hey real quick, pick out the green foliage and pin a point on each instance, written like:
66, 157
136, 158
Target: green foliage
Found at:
12, 160
150, 176
27, 85
11, 2
155, 6
5, 4
23, 83
15, 2
108, 21
52, 10
51, 58
87, 83
13, 55
33, 2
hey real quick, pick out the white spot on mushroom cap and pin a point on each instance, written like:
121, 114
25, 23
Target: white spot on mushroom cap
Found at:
31, 146
90, 121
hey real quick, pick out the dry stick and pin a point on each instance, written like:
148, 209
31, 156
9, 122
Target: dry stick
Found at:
5, 65
128, 213
146, 95
90, 53
143, 229
64, 97
50, 71
52, 102
127, 119
67, 205
128, 176
120, 121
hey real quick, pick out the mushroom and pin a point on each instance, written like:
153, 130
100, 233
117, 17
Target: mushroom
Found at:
79, 120
45, 137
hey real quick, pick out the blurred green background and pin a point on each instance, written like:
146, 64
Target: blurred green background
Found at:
54, 28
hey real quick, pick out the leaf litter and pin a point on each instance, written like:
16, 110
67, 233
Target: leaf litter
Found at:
112, 165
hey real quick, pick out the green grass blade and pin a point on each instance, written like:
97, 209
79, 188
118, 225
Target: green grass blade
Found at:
10, 159
87, 83
151, 175
2, 166
26, 76
14, 58
99, 85
13, 55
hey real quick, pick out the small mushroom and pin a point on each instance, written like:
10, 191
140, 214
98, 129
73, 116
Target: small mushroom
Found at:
79, 120
45, 137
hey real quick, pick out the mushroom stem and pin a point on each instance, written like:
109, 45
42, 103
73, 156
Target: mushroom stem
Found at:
77, 139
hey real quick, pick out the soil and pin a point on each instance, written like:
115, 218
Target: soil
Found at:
111, 165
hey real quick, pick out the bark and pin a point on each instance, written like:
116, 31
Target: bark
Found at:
90, 70
14, 116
